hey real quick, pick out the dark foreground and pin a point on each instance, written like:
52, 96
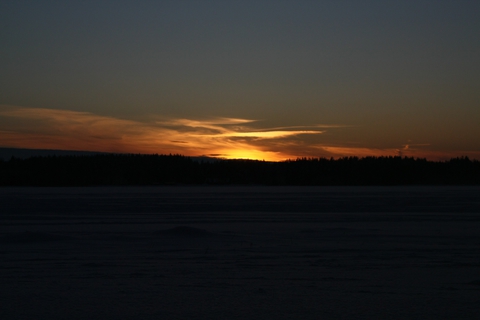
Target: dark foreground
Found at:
143, 170
240, 253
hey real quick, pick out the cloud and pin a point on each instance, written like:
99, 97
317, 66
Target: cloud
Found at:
337, 151
409, 150
73, 130
268, 134
222, 137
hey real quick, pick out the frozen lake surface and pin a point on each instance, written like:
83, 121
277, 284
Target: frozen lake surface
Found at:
240, 253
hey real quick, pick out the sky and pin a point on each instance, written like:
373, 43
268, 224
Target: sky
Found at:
269, 80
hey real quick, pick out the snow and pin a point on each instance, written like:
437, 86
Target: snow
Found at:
240, 253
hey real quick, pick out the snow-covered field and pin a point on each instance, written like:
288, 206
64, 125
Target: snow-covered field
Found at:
240, 253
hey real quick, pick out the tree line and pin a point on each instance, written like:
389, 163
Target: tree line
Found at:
136, 169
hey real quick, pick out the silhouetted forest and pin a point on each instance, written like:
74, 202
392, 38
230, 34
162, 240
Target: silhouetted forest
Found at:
122, 169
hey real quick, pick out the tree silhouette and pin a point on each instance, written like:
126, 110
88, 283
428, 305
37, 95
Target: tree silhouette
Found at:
136, 169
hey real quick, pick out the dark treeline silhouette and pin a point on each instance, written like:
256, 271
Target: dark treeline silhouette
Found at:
122, 169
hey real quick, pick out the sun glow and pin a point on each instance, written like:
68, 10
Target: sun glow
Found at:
253, 155
227, 138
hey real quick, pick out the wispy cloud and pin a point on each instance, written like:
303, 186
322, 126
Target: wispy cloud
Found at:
268, 134
419, 150
73, 130
222, 137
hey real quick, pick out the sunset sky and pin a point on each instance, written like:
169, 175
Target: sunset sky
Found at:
257, 79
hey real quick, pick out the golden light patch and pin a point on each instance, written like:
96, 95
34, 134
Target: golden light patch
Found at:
269, 134
230, 138
71, 130
253, 155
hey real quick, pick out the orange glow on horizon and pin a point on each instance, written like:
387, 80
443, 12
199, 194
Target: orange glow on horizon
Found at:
253, 155
229, 138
